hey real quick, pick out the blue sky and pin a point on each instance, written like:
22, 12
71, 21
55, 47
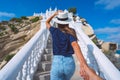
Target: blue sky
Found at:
102, 15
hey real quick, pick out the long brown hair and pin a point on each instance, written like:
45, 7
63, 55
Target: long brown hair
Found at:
65, 28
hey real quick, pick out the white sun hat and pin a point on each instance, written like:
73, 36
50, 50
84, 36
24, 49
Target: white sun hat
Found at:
62, 18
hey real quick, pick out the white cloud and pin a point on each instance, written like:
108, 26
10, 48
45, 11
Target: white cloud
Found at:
6, 14
107, 30
108, 4
111, 34
115, 21
114, 38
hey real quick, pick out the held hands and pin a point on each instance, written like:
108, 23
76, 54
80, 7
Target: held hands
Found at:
88, 74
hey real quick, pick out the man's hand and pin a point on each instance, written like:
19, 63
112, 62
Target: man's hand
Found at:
83, 73
88, 73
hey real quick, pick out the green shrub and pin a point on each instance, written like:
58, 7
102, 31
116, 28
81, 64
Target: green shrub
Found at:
16, 19
9, 57
73, 10
34, 19
95, 41
1, 34
24, 18
13, 28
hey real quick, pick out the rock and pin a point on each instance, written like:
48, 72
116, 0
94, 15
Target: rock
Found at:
2, 40
18, 36
88, 30
13, 43
2, 45
2, 64
25, 28
8, 48
107, 46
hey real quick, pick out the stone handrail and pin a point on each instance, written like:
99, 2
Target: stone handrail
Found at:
23, 65
94, 56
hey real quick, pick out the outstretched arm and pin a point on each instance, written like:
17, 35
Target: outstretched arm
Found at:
86, 72
48, 25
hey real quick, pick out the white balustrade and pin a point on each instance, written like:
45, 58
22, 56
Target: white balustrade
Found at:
24, 64
94, 56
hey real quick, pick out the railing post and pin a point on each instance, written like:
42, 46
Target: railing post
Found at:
32, 64
19, 77
28, 69
24, 71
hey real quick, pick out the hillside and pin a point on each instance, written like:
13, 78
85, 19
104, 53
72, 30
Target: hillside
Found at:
15, 33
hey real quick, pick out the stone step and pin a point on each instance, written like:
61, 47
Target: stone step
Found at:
48, 51
49, 46
44, 66
46, 57
42, 76
49, 41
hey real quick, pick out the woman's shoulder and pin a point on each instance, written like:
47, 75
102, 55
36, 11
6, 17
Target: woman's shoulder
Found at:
52, 29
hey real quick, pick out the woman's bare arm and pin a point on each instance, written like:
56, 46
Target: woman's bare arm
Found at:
48, 25
86, 72
78, 52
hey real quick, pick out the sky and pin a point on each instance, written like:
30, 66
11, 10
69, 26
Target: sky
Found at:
102, 15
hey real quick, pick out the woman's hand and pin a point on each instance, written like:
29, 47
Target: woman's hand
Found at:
88, 73
48, 25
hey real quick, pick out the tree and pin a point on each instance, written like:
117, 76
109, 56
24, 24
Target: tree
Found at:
34, 19
13, 28
8, 57
24, 18
73, 10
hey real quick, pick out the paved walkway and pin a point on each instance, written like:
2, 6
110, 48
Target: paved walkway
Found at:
76, 75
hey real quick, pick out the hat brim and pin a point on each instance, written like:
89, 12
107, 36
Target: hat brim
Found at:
62, 22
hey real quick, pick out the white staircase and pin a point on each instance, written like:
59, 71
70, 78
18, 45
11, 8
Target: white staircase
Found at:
44, 65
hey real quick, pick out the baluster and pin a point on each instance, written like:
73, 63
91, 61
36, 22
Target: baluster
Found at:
24, 71
39, 51
35, 60
39, 45
46, 33
28, 69
19, 76
43, 40
32, 64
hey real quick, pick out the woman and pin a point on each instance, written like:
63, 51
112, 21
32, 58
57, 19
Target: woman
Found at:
64, 45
